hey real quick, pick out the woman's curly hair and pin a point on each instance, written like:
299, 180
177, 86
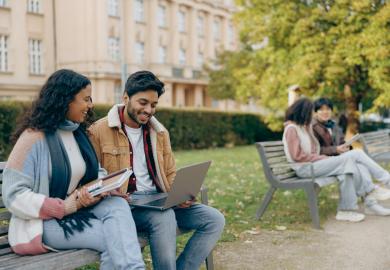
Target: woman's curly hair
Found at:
49, 110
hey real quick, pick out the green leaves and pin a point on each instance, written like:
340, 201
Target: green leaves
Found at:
320, 45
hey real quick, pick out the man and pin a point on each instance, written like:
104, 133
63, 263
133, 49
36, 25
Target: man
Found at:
130, 136
331, 139
328, 133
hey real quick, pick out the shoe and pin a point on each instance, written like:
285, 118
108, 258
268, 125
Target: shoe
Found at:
377, 209
380, 193
349, 216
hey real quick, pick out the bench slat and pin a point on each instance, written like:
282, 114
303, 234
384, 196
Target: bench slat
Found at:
5, 251
3, 229
286, 176
5, 215
69, 259
274, 148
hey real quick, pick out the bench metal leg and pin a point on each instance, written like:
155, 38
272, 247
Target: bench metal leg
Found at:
313, 205
210, 262
265, 203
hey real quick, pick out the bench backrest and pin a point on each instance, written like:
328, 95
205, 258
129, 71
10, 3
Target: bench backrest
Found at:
4, 215
376, 141
275, 165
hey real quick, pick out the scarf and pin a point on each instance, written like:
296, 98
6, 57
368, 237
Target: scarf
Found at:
329, 124
61, 173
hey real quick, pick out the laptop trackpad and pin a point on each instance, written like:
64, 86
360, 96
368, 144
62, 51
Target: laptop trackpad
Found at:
140, 199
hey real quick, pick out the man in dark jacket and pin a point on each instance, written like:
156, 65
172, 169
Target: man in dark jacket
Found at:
328, 133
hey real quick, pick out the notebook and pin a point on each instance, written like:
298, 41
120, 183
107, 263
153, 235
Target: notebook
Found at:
109, 182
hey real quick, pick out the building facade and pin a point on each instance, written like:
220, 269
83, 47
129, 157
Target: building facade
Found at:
108, 39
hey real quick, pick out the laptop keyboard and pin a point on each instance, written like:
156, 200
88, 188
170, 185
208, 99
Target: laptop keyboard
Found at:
159, 202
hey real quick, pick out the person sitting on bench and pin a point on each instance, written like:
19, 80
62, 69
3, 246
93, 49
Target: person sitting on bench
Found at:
51, 158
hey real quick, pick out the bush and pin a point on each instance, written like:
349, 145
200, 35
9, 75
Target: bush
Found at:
10, 113
189, 129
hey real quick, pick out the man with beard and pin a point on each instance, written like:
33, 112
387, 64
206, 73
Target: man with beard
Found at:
130, 136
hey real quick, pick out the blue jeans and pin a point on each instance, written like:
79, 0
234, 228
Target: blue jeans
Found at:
207, 223
113, 234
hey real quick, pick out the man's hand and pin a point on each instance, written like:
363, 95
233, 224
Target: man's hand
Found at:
342, 149
187, 203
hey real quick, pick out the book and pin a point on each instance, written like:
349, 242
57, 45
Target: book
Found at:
109, 182
353, 139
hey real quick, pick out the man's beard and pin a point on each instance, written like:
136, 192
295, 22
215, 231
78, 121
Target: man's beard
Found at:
132, 115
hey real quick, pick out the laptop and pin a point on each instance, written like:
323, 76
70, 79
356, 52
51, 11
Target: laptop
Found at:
186, 186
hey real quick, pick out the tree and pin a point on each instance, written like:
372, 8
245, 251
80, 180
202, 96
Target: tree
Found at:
334, 48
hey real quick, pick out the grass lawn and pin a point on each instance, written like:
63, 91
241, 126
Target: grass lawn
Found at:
236, 185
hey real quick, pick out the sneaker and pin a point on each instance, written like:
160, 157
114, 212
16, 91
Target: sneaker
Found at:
380, 193
377, 209
349, 216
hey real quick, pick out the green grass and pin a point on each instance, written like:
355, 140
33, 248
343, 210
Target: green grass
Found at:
236, 186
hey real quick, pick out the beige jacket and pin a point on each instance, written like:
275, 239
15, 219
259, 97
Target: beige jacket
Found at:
112, 147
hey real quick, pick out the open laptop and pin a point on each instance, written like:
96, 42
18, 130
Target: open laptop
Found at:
186, 186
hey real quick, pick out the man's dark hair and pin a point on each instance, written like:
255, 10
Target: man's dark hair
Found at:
321, 102
300, 112
141, 81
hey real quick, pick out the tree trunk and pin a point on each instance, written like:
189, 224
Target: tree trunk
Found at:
351, 110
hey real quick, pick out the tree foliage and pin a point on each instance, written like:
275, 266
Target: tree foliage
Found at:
334, 48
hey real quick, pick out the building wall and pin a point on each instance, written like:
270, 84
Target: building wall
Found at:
80, 35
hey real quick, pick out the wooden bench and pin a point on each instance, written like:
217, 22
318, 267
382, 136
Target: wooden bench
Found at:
68, 259
377, 144
279, 174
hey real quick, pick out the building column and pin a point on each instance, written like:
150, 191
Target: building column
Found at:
180, 95
198, 96
166, 100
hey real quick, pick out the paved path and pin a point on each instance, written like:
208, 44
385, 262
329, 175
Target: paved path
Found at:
340, 245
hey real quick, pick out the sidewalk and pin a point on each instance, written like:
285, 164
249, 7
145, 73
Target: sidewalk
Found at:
341, 245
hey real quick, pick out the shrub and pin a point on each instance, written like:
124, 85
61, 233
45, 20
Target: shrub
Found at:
189, 128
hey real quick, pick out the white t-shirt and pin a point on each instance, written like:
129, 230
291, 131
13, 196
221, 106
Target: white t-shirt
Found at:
76, 160
140, 169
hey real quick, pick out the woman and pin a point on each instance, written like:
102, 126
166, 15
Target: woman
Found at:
332, 143
51, 158
303, 151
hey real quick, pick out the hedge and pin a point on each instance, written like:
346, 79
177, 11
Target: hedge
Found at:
189, 129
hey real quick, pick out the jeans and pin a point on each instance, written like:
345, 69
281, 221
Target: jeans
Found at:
161, 227
355, 170
113, 234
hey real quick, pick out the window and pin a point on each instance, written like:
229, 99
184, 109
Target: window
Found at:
139, 52
230, 34
200, 26
3, 53
139, 10
162, 54
118, 92
200, 59
182, 57
217, 30
113, 48
3, 3
182, 21
34, 6
113, 8
161, 15
35, 55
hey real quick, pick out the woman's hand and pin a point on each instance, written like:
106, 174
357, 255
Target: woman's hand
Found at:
342, 149
85, 199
